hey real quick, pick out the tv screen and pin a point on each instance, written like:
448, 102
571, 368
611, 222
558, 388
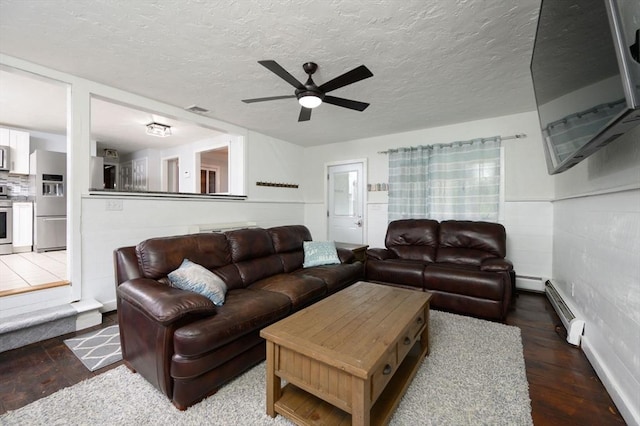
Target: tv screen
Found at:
586, 76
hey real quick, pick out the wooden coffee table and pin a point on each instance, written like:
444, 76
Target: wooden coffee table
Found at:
349, 358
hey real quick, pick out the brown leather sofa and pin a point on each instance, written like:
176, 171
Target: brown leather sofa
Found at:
461, 262
179, 340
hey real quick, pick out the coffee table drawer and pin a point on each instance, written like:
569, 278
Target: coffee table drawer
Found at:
410, 335
383, 373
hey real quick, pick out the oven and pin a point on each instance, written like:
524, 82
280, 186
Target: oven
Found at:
6, 227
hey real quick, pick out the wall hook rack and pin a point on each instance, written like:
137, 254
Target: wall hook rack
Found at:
277, 185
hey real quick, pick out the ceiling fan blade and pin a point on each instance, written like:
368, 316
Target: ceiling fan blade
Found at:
346, 103
356, 74
275, 68
305, 114
271, 98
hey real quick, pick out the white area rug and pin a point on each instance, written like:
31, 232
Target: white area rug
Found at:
98, 348
475, 375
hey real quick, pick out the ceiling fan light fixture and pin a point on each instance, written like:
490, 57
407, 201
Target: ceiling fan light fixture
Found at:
309, 100
157, 129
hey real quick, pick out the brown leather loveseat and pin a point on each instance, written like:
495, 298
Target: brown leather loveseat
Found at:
461, 262
179, 340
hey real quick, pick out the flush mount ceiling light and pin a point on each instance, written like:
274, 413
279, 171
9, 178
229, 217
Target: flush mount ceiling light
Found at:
309, 99
157, 129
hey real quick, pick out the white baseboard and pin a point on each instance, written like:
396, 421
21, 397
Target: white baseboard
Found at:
109, 306
629, 413
88, 313
530, 283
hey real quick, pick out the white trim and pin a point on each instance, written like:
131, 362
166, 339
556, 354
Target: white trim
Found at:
623, 188
164, 172
501, 197
365, 178
624, 406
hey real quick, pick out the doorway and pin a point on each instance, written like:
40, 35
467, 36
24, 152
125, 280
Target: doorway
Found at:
214, 171
171, 173
36, 128
346, 198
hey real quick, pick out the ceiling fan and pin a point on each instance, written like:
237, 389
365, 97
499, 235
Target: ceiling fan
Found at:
309, 94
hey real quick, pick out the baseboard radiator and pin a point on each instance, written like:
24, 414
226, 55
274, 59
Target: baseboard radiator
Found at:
574, 326
220, 227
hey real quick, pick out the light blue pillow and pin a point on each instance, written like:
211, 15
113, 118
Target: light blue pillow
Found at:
318, 253
193, 277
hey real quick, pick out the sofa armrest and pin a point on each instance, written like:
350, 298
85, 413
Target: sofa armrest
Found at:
380, 254
345, 255
496, 265
162, 303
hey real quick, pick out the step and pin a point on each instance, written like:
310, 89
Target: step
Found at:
24, 329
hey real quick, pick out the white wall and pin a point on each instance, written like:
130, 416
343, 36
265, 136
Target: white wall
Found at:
528, 188
47, 141
596, 262
272, 160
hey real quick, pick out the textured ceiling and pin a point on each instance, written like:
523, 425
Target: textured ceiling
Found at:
434, 62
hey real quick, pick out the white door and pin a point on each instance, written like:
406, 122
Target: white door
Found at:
346, 203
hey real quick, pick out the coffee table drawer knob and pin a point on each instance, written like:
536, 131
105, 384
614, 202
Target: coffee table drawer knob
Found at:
387, 369
419, 320
407, 340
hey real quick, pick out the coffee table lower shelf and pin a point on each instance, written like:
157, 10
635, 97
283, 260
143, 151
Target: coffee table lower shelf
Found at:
306, 409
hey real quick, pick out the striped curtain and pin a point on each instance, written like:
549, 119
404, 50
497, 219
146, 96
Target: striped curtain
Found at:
453, 181
408, 188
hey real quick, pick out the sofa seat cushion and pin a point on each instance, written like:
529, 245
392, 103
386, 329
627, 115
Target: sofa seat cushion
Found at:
398, 271
245, 310
301, 290
189, 367
465, 280
335, 277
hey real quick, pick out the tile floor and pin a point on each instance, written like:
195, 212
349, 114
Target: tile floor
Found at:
24, 270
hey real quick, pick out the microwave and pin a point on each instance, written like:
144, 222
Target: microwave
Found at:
4, 157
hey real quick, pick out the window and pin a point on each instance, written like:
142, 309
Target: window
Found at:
451, 181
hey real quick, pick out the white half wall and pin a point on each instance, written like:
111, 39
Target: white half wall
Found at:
142, 218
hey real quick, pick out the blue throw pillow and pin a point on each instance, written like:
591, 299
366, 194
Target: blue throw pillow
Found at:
193, 277
318, 253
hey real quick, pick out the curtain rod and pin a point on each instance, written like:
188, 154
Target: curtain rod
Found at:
504, 138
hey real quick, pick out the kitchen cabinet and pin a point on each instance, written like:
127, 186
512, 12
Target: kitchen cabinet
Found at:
18, 142
133, 175
126, 176
140, 178
22, 226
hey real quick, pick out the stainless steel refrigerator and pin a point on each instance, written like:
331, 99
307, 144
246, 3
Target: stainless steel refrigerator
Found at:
50, 208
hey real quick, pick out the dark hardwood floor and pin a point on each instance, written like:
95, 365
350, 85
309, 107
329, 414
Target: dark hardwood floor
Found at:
563, 386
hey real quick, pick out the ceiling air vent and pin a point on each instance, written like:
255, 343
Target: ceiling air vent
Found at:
197, 109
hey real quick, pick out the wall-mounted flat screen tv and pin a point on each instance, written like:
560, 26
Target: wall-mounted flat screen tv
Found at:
586, 76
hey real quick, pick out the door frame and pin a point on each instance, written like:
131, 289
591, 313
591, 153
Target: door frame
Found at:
363, 187
164, 172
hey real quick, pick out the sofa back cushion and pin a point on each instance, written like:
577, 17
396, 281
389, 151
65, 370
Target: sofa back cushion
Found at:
159, 256
467, 242
253, 254
413, 239
288, 243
